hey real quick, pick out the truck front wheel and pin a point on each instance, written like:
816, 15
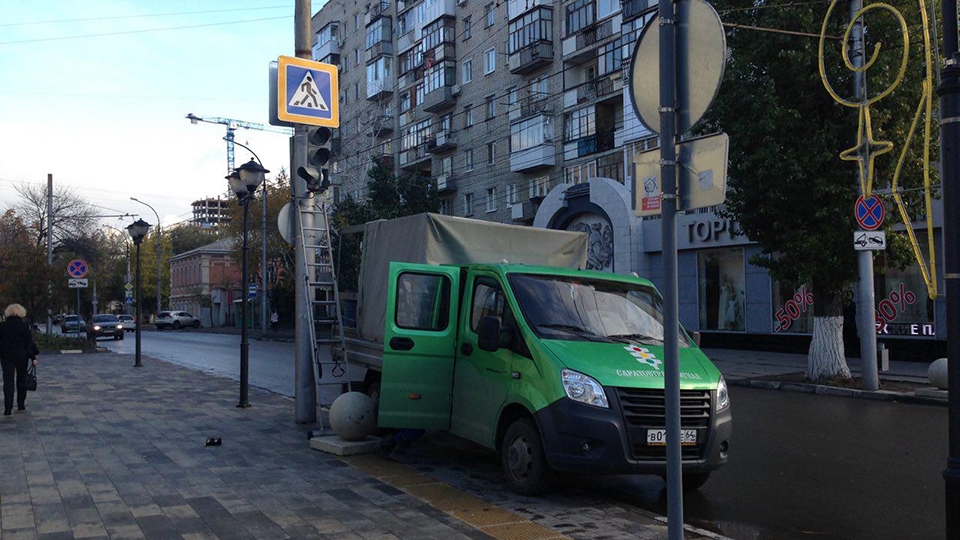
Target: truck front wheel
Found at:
524, 463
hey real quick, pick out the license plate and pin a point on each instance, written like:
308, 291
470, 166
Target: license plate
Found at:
658, 437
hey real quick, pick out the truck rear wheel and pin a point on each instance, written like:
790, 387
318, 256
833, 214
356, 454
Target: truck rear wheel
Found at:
524, 462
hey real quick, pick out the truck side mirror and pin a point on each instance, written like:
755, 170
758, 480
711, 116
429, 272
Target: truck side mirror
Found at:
696, 338
488, 332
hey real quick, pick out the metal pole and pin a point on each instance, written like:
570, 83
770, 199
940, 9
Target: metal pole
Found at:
139, 322
244, 344
79, 316
50, 252
866, 326
263, 265
949, 93
671, 306
305, 387
126, 306
159, 264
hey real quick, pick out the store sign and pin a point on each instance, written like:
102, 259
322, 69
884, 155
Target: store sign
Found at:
707, 232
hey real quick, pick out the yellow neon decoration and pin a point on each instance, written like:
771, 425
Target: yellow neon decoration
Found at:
874, 148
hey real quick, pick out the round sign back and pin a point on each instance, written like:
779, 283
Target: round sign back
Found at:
701, 55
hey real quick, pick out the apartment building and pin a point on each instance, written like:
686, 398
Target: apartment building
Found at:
494, 102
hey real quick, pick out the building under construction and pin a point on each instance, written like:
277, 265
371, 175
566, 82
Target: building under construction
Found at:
209, 212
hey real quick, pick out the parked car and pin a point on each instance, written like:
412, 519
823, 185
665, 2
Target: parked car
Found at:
72, 323
106, 325
176, 320
128, 322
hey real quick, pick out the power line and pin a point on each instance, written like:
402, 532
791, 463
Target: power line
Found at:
145, 31
147, 15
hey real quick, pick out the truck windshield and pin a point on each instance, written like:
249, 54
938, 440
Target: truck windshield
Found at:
569, 308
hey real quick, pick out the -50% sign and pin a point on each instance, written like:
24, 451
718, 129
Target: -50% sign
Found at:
891, 306
793, 308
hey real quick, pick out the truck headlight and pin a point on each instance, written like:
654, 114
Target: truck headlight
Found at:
584, 389
723, 398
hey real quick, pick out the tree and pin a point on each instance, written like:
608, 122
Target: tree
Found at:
73, 216
388, 196
788, 189
24, 267
187, 236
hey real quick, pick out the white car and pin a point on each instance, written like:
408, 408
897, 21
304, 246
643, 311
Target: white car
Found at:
129, 323
176, 320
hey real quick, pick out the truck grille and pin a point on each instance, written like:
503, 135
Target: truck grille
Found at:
645, 409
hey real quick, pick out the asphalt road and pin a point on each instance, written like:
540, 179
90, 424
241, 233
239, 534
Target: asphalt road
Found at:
802, 466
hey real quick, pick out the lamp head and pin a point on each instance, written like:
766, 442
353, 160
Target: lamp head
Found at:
137, 230
237, 185
252, 175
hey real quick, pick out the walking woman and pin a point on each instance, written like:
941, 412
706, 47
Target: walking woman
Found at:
16, 348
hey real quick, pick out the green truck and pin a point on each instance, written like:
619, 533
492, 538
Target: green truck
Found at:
554, 367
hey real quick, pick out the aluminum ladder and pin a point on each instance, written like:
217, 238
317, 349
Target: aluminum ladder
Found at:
321, 291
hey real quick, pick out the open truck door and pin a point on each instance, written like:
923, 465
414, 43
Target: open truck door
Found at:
419, 346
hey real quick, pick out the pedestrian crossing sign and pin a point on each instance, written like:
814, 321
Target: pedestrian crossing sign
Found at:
307, 92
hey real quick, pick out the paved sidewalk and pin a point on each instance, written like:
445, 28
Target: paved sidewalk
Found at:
106, 450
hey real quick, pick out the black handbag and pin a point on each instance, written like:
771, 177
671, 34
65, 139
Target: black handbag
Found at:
30, 381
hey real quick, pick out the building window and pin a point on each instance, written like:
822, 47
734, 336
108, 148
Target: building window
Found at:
580, 14
530, 133
467, 116
468, 204
467, 71
491, 14
491, 107
415, 135
511, 194
356, 21
491, 199
610, 57
489, 61
446, 207
538, 88
605, 8
406, 22
512, 95
440, 75
491, 153
467, 28
379, 31
721, 289
356, 57
381, 69
405, 102
578, 174
411, 59
539, 186
580, 123
535, 26
468, 160
356, 90
443, 30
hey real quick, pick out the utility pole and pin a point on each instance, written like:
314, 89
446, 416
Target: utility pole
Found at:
949, 93
866, 321
50, 252
263, 266
671, 304
305, 386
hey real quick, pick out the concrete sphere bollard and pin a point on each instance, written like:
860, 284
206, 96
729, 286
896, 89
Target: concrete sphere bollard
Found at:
351, 416
937, 373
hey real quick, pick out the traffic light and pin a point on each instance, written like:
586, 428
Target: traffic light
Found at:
316, 174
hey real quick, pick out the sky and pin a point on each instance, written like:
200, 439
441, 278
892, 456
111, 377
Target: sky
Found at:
105, 113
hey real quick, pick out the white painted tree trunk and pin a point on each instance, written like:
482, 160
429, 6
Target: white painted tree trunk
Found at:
826, 358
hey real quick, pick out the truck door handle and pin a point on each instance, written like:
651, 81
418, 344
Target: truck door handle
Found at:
466, 349
401, 343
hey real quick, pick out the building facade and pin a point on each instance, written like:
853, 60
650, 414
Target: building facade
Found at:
205, 281
209, 212
495, 103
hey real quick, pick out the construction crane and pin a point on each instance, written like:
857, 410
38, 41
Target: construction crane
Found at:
232, 126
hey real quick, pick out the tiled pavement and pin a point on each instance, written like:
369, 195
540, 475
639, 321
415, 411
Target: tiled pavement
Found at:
106, 450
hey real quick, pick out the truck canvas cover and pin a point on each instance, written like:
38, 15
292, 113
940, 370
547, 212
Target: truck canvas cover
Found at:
438, 239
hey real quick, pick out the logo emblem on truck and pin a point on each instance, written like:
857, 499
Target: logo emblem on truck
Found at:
644, 356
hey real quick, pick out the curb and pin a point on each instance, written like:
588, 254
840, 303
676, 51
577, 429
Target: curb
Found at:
808, 388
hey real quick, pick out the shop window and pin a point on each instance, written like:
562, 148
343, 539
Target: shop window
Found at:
721, 289
903, 307
792, 308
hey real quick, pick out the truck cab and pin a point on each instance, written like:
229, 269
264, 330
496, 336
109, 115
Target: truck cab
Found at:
556, 369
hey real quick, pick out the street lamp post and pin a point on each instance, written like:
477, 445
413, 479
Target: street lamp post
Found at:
126, 244
159, 252
244, 182
138, 229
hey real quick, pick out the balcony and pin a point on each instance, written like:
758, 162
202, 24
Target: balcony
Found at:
593, 144
377, 10
532, 57
379, 88
530, 106
516, 8
531, 159
446, 183
599, 88
385, 159
406, 41
442, 142
380, 127
330, 48
415, 159
440, 8
439, 99
381, 48
581, 46
634, 8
